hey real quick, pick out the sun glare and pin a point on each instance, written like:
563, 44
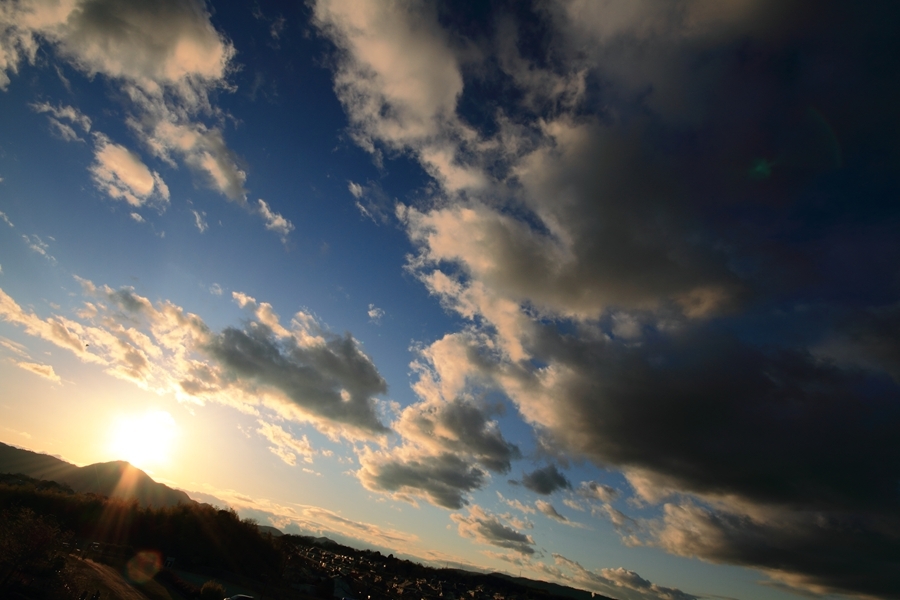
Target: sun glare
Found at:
143, 440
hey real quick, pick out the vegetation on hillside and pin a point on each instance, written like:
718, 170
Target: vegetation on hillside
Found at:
196, 535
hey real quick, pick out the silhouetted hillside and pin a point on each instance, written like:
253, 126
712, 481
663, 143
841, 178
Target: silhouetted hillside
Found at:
116, 479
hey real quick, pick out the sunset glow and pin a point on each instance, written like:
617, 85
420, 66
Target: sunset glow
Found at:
602, 292
145, 441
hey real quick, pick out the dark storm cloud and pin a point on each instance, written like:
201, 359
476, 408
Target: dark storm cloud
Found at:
546, 480
443, 479
871, 337
830, 552
681, 244
714, 415
802, 451
333, 380
446, 448
462, 427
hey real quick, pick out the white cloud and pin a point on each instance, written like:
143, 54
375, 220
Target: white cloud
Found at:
399, 80
200, 220
284, 445
215, 289
166, 57
40, 246
64, 112
305, 374
122, 175
310, 519
512, 503
372, 202
171, 44
5, 218
64, 131
24, 434
169, 132
14, 347
45, 371
548, 510
375, 314
274, 221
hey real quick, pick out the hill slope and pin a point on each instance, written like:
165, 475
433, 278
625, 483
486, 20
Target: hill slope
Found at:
116, 479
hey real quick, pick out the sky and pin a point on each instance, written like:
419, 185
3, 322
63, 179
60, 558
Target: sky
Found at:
601, 292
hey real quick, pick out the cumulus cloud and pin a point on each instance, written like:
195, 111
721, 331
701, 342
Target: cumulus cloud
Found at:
447, 449
399, 78
827, 552
122, 175
166, 59
444, 479
324, 375
487, 528
545, 480
304, 374
45, 371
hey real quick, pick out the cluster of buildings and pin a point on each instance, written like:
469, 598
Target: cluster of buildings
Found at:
340, 572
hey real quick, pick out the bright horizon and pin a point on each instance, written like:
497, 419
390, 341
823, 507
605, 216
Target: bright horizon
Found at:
602, 292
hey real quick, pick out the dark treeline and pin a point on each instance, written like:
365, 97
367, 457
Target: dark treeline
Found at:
197, 535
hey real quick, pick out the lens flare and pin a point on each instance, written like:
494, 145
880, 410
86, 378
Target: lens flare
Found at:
143, 566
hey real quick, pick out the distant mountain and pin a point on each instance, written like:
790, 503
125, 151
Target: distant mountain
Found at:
554, 588
117, 479
273, 531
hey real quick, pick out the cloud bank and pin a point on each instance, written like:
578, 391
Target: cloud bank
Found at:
650, 235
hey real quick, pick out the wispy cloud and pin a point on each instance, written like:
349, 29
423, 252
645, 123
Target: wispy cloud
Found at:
284, 445
40, 246
274, 221
45, 371
375, 314
309, 519
487, 528
200, 220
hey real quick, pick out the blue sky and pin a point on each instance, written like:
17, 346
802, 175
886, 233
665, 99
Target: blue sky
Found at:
599, 292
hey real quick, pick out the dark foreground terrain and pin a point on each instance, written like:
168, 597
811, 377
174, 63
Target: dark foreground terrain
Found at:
57, 542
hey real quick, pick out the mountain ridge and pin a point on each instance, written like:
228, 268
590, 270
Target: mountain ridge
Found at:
114, 479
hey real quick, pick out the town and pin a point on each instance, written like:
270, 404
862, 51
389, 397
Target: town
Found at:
322, 568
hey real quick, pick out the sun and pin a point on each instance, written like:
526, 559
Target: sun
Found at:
144, 440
